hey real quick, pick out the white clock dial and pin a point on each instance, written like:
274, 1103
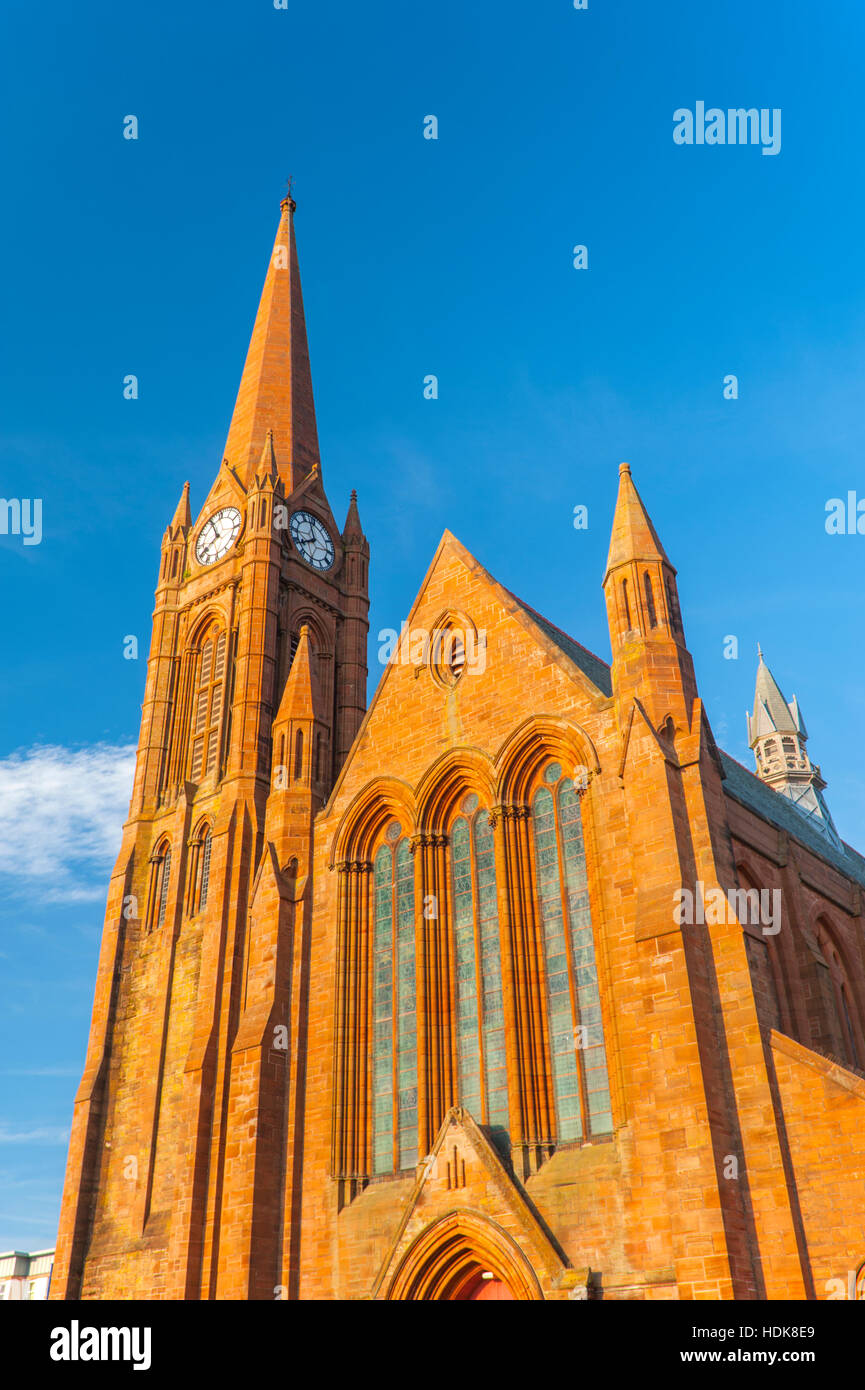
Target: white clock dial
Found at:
311, 538
217, 535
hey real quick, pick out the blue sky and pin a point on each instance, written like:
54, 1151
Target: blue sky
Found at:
451, 257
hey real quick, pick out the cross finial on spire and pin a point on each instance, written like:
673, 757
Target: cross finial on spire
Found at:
759, 651
288, 200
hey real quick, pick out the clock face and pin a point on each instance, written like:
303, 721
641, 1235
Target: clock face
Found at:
217, 535
312, 540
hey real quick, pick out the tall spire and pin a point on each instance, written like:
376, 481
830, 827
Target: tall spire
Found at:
777, 736
772, 714
651, 661
276, 387
640, 582
633, 536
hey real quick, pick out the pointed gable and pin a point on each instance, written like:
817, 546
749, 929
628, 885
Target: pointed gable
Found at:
504, 649
465, 1203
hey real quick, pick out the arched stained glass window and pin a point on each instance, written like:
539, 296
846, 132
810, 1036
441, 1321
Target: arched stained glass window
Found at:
490, 973
468, 1037
382, 1026
394, 1011
578, 1053
482, 1072
406, 1022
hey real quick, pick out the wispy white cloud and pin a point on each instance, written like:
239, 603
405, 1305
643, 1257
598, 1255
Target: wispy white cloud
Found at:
42, 1134
28, 1220
39, 1071
61, 812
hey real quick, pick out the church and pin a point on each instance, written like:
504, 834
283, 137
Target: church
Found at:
433, 999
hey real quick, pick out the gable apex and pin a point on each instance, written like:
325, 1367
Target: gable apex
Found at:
580, 665
465, 1196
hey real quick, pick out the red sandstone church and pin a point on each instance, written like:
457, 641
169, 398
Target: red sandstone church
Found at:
512, 986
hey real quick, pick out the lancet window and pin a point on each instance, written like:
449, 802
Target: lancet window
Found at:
394, 1011
198, 870
480, 1032
160, 880
578, 1058
441, 1000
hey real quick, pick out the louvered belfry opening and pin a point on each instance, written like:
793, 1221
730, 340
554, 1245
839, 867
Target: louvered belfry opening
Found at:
207, 705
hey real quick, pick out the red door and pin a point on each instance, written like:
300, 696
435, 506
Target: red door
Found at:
487, 1289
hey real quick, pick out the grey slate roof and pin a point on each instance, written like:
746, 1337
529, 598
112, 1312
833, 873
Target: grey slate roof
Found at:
778, 810
744, 786
592, 666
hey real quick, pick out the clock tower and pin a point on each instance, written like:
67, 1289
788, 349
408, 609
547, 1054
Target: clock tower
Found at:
181, 1166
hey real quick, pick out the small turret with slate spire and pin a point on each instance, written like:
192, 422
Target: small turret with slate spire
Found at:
777, 736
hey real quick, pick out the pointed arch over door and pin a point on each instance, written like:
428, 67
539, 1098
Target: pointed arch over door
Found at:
448, 1260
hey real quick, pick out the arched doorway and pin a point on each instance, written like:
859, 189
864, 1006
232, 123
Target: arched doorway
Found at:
464, 1258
